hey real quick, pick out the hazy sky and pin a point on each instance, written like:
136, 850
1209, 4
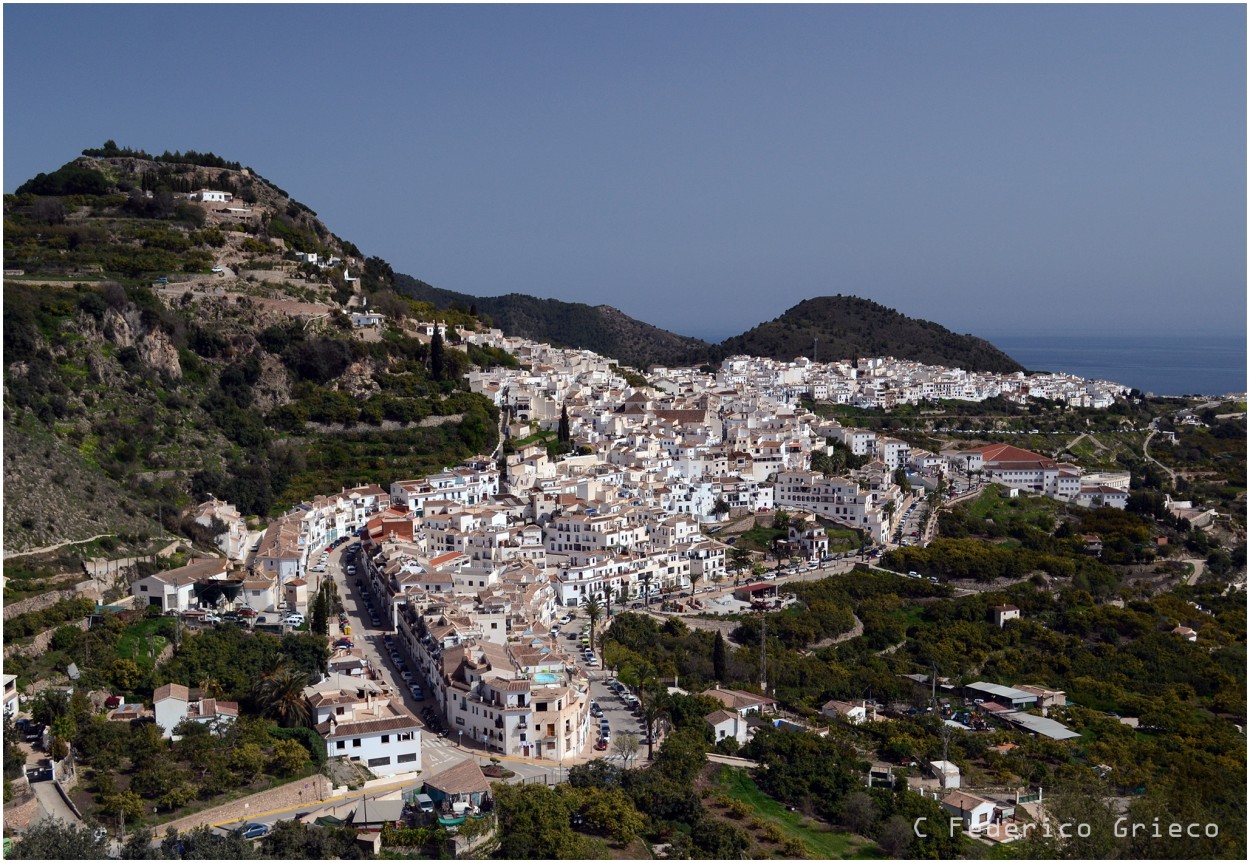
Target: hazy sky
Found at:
996, 169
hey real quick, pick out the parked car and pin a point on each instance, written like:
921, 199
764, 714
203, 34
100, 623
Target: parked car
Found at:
247, 612
254, 830
417, 694
211, 618
113, 702
601, 744
406, 675
294, 620
344, 643
262, 619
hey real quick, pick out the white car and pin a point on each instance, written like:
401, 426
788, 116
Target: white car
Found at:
210, 618
294, 620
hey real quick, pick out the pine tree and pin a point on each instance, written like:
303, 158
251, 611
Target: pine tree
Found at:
718, 658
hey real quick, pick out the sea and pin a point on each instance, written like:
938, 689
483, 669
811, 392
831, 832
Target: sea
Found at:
1162, 365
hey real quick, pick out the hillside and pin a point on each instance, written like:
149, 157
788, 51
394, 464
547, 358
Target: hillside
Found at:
160, 348
847, 327
602, 329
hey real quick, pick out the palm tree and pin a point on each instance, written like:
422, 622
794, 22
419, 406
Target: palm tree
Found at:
646, 587
653, 707
280, 694
593, 612
695, 577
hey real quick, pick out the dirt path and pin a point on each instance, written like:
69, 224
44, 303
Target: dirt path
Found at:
854, 632
1145, 449
1076, 440
1199, 566
48, 548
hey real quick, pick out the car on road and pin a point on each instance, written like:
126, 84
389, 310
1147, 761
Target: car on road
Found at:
344, 644
210, 618
247, 612
592, 660
254, 830
262, 619
406, 675
595, 710
601, 744
351, 569
417, 694
294, 620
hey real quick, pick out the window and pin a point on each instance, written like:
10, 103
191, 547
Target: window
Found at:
340, 744
338, 711
143, 588
541, 706
404, 735
386, 738
356, 743
406, 758
380, 762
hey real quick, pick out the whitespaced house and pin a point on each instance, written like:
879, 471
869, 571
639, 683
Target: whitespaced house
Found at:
10, 694
976, 812
173, 704
727, 723
174, 589
1004, 613
361, 723
212, 196
851, 712
946, 772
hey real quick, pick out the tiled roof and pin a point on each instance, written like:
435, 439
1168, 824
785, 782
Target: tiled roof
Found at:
172, 690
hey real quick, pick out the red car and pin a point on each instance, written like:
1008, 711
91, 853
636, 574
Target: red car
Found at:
246, 612
113, 702
601, 744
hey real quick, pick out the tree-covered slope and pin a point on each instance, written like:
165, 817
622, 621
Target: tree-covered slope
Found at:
845, 327
158, 349
602, 329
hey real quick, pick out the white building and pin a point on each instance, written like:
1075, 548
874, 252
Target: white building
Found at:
173, 704
174, 589
362, 723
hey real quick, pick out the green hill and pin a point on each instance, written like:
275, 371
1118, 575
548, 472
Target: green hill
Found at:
602, 329
841, 327
160, 348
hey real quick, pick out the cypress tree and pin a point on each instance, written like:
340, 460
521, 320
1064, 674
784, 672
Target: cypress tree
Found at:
562, 433
718, 658
436, 355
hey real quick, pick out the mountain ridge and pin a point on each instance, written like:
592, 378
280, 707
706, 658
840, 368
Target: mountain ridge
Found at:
844, 326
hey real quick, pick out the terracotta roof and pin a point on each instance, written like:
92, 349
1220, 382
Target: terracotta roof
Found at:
171, 690
718, 716
963, 801
369, 726
463, 778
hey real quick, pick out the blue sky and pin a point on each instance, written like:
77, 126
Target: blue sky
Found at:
997, 169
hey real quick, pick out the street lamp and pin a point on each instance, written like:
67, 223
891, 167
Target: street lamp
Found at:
460, 738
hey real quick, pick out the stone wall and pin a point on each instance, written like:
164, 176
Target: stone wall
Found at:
37, 603
42, 640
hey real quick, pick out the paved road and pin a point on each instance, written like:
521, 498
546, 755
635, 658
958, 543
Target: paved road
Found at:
437, 753
52, 804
